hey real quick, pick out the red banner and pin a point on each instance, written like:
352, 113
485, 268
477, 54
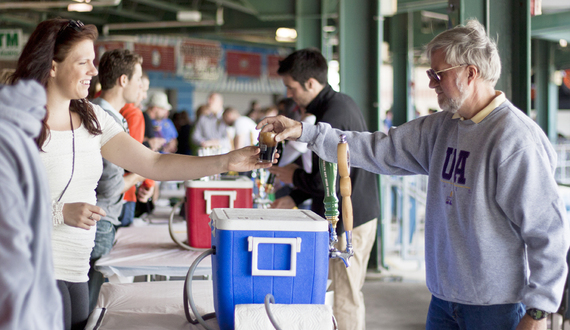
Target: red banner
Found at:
273, 65
243, 64
201, 59
103, 46
157, 58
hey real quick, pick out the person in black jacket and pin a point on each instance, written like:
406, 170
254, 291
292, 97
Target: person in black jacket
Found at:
304, 73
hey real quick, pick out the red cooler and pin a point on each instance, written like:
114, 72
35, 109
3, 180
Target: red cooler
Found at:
204, 196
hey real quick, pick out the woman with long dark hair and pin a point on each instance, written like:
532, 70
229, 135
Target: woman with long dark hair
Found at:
75, 135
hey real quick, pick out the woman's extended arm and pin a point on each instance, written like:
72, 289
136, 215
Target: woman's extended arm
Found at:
129, 154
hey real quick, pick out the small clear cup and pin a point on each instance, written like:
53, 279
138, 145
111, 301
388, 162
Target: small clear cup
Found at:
268, 147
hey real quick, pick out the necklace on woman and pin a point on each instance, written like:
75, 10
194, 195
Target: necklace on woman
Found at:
73, 161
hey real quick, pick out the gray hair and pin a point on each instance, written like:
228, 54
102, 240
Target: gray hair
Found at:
469, 44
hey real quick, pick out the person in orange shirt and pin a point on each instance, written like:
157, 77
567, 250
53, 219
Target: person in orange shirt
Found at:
135, 119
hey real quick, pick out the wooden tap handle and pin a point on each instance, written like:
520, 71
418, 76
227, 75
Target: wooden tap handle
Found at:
347, 219
345, 183
342, 160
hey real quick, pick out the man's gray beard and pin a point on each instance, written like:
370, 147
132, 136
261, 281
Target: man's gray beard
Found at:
452, 105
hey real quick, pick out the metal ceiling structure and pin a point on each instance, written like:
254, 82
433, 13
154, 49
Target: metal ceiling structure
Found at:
238, 20
247, 20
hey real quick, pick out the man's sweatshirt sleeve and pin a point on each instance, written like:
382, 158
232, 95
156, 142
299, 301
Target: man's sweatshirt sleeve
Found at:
528, 194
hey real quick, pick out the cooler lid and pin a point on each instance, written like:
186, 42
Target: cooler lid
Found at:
229, 182
268, 220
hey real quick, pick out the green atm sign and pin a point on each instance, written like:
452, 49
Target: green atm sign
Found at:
11, 44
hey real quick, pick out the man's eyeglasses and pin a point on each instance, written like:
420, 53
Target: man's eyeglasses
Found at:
432, 74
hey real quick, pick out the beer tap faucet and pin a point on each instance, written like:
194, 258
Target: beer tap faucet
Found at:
343, 159
329, 175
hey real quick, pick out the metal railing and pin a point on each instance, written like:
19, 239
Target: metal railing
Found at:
562, 174
403, 200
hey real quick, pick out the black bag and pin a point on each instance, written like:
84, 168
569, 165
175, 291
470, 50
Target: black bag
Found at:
142, 208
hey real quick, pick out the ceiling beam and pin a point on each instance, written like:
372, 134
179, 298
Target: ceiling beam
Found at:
235, 6
247, 4
132, 15
53, 4
87, 19
18, 20
416, 5
542, 25
276, 7
154, 25
168, 6
277, 17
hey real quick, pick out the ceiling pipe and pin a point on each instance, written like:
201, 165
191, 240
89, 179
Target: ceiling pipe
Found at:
235, 6
132, 15
405, 7
162, 5
54, 4
154, 25
87, 19
18, 20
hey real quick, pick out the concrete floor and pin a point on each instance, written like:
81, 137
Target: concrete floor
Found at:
395, 305
397, 299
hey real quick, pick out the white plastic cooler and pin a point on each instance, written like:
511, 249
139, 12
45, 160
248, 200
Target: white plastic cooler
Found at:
261, 251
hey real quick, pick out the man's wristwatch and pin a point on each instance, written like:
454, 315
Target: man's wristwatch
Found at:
536, 314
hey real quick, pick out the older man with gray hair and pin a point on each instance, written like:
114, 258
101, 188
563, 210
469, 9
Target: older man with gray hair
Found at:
496, 231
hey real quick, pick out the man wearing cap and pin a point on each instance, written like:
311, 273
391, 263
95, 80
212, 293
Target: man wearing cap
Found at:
158, 109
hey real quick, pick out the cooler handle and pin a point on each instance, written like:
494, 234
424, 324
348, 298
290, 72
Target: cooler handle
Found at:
209, 193
253, 246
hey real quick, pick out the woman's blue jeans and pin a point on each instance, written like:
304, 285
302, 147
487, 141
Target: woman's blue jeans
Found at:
445, 315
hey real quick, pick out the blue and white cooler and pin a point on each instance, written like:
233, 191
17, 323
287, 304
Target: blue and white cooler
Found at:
261, 251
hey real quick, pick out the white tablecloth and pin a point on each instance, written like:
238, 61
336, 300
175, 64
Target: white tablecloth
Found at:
149, 250
150, 306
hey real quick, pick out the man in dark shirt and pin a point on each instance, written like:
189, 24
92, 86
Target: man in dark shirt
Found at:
304, 73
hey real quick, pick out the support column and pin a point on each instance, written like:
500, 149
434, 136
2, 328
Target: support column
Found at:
308, 23
461, 10
546, 100
514, 49
358, 58
402, 68
327, 44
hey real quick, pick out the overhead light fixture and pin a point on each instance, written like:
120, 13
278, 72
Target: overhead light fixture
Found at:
220, 15
189, 16
434, 15
388, 8
285, 35
329, 28
535, 7
563, 43
80, 7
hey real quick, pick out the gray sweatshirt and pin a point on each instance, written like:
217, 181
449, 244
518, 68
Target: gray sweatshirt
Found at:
28, 293
111, 184
496, 227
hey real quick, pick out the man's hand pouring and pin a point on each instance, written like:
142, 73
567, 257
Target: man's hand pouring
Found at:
286, 129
